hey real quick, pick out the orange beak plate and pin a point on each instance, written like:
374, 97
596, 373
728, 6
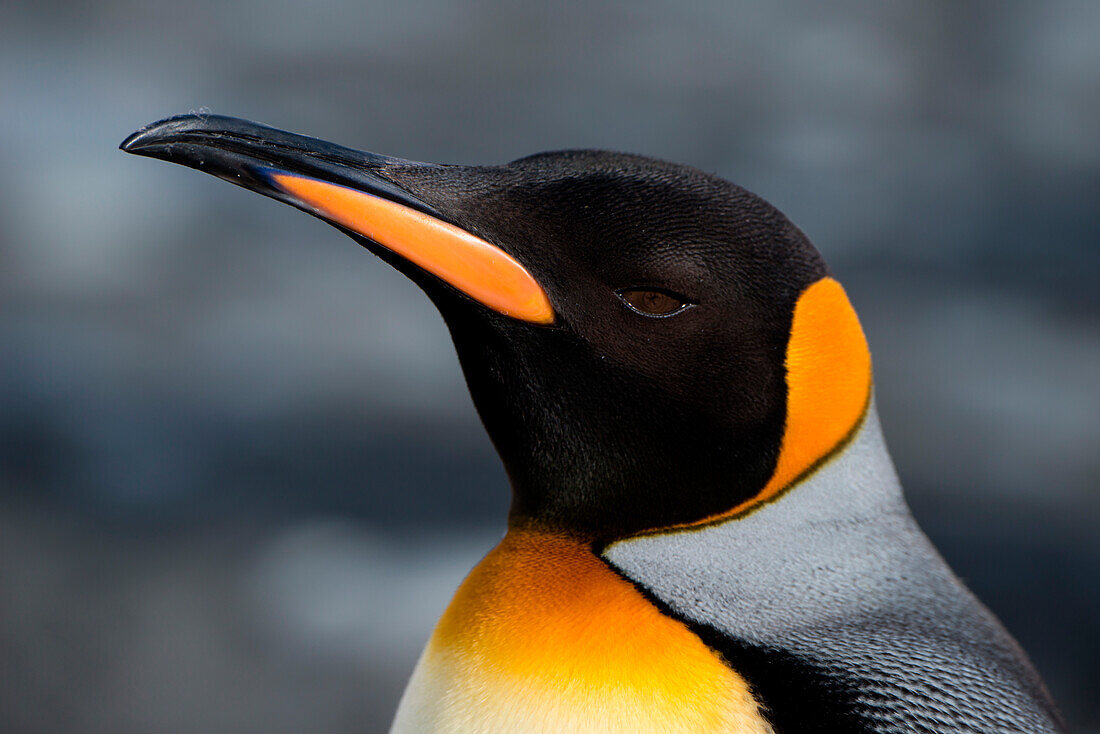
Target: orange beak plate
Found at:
468, 263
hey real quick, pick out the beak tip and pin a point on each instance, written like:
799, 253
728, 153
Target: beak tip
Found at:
132, 142
164, 131
145, 137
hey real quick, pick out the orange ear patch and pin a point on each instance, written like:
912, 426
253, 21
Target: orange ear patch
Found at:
477, 268
828, 389
828, 382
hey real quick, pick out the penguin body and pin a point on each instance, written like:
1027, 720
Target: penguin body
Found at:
853, 623
707, 534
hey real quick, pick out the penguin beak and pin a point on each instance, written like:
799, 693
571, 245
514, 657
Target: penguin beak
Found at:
346, 188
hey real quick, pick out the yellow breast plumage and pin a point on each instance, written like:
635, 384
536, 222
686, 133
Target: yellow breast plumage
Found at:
544, 637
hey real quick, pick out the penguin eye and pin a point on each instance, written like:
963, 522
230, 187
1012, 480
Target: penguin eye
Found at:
653, 303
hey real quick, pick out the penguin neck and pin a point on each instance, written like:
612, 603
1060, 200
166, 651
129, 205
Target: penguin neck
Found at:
856, 483
821, 518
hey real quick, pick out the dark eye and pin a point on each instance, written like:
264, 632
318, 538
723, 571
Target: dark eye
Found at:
653, 303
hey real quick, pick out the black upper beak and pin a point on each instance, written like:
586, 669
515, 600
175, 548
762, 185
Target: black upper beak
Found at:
241, 152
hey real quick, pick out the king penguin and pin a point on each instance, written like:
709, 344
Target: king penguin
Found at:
706, 533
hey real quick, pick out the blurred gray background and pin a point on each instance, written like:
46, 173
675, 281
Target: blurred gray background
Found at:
239, 471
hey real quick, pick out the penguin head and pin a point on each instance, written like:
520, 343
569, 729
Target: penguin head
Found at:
648, 346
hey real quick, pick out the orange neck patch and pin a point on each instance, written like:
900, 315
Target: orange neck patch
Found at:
543, 636
828, 388
828, 382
